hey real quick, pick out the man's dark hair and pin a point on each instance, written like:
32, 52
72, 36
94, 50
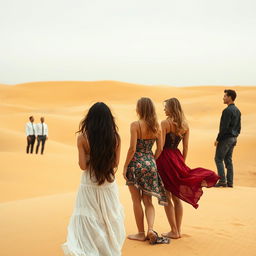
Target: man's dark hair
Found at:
30, 118
231, 93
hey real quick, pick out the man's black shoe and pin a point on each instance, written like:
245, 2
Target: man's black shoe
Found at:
220, 185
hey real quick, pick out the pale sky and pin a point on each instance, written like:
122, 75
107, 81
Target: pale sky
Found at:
159, 42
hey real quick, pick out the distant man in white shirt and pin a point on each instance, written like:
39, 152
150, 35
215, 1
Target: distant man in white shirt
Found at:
31, 134
42, 134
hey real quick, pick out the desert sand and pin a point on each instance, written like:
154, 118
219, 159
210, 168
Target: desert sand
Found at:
37, 192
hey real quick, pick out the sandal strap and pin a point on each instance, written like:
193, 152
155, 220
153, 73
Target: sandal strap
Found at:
153, 232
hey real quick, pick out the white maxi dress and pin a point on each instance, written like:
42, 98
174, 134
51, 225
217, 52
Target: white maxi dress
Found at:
96, 227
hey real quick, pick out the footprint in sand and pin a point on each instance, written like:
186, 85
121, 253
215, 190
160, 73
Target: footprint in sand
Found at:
223, 234
237, 224
202, 228
185, 235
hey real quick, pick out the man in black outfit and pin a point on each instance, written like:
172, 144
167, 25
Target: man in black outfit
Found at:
31, 134
230, 127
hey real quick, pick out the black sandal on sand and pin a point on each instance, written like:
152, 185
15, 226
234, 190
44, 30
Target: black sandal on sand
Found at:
155, 239
163, 240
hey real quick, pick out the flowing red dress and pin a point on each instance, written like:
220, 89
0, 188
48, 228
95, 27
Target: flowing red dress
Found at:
178, 178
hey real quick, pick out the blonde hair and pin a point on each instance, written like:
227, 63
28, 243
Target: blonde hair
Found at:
177, 115
146, 111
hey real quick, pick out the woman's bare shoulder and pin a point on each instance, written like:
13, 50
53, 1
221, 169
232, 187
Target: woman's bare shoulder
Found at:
186, 126
186, 130
82, 140
165, 122
134, 125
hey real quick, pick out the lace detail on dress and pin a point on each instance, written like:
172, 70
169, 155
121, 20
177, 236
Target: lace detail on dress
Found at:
172, 140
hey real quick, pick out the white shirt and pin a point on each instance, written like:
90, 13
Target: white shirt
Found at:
41, 129
30, 129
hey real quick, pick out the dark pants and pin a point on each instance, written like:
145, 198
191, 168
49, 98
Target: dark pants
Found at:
40, 138
224, 153
30, 143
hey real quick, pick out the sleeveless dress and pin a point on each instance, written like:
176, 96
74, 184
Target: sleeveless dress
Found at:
96, 227
178, 178
142, 171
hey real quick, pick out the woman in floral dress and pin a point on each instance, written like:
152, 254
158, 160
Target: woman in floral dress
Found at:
140, 169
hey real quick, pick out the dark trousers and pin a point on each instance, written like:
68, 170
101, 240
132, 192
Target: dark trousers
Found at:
40, 138
30, 143
224, 153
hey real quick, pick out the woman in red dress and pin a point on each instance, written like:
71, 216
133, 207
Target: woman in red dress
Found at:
179, 180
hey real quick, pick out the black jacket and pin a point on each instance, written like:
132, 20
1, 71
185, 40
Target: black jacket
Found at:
230, 123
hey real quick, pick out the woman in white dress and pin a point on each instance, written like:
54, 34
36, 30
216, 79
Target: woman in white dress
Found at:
96, 226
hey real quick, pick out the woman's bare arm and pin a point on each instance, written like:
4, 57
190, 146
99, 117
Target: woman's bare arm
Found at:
185, 144
159, 144
118, 150
164, 131
82, 159
132, 148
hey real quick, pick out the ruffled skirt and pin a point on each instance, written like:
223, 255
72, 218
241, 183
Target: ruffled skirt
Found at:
96, 227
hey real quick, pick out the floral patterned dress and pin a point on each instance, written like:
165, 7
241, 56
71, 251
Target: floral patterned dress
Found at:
142, 171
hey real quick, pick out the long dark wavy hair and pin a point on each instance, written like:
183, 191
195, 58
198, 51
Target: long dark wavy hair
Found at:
102, 134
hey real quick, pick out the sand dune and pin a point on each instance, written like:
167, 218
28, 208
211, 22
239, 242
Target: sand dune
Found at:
38, 226
37, 192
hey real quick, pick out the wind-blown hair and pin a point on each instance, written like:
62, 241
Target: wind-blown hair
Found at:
146, 111
177, 115
102, 133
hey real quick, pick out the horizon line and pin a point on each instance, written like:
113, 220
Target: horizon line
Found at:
117, 81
